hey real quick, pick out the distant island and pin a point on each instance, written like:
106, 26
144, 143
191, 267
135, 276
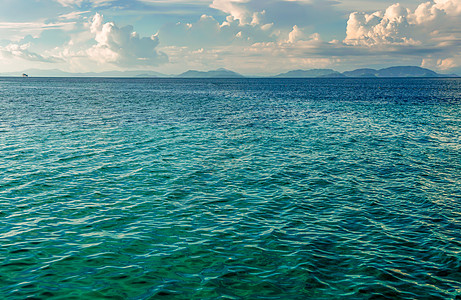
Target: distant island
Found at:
391, 72
399, 71
219, 73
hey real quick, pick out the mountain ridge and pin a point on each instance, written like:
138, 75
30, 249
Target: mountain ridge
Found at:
219, 73
397, 72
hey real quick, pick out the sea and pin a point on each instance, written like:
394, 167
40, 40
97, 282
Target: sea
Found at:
119, 188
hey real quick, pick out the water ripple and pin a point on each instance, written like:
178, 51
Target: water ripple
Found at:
235, 189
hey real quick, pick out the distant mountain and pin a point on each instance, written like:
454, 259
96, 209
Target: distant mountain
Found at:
406, 72
219, 73
313, 73
59, 73
399, 71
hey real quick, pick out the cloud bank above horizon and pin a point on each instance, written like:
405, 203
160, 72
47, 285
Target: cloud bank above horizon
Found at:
248, 36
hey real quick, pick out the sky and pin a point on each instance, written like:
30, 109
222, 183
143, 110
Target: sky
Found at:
252, 37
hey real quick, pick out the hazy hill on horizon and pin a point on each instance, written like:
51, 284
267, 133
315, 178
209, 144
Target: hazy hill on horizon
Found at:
391, 72
219, 73
397, 71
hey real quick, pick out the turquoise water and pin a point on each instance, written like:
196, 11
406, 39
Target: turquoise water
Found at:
230, 189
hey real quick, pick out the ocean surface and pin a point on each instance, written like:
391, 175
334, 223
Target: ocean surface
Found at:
230, 189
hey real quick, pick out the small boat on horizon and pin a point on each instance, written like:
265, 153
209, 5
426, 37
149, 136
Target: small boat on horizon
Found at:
25, 75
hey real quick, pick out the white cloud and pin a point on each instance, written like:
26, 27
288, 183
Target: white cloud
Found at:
208, 32
112, 45
389, 27
441, 64
234, 9
283, 13
73, 15
429, 28
16, 31
22, 51
93, 45
295, 35
70, 3
400, 25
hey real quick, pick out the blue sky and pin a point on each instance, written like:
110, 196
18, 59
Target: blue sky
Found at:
253, 37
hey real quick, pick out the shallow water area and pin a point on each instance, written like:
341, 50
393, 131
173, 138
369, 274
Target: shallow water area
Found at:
230, 188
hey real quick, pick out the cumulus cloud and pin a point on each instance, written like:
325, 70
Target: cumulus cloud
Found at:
234, 8
389, 27
22, 51
122, 46
284, 14
400, 25
441, 64
208, 32
295, 35
105, 46
427, 29
248, 22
